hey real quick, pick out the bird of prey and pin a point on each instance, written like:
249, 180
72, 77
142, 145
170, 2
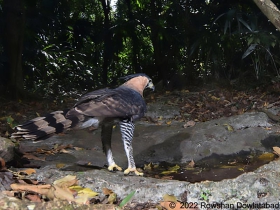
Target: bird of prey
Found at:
104, 107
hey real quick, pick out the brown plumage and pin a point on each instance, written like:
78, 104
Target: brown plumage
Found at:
124, 104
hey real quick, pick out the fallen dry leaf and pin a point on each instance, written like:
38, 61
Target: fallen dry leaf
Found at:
60, 165
9, 193
229, 127
33, 157
148, 166
27, 181
55, 192
84, 191
170, 202
30, 187
59, 190
28, 171
88, 192
64, 151
276, 150
46, 152
59, 193
191, 164
168, 122
228, 167
190, 123
61, 147
174, 168
166, 177
112, 198
167, 197
215, 98
3, 164
233, 162
66, 181
107, 191
170, 205
266, 156
170, 170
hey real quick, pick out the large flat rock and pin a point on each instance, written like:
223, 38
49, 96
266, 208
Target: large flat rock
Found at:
173, 143
259, 186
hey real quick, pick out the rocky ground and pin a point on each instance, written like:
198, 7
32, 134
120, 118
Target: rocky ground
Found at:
219, 143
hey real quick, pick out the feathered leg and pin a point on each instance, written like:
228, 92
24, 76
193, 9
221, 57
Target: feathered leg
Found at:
127, 130
106, 135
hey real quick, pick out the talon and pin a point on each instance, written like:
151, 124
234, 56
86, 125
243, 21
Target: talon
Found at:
114, 166
128, 170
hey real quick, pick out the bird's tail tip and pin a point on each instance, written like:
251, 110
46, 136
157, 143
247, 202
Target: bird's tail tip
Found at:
39, 127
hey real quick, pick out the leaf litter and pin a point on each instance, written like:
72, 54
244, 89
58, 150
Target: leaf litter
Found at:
195, 107
67, 189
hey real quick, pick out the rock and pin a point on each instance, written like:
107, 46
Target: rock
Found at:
213, 137
170, 143
162, 110
6, 149
259, 186
15, 203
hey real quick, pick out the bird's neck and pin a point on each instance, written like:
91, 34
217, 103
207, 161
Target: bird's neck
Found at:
138, 84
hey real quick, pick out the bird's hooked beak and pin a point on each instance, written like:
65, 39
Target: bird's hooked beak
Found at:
151, 85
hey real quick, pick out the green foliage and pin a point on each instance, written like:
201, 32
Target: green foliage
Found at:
63, 49
80, 45
205, 195
10, 121
127, 199
235, 32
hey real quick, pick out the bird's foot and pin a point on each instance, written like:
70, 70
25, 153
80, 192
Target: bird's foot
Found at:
114, 166
128, 170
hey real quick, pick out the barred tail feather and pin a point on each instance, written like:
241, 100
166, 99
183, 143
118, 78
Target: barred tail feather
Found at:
42, 127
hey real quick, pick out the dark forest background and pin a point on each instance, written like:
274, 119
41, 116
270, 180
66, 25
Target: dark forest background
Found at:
51, 47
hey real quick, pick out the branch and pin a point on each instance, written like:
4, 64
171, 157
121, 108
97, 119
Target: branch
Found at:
270, 10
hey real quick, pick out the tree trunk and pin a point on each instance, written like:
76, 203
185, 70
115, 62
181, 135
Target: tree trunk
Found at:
160, 62
107, 55
270, 10
14, 18
134, 39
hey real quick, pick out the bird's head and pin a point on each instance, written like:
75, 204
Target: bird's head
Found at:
139, 82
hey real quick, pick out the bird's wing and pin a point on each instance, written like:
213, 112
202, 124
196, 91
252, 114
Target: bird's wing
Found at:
96, 95
120, 102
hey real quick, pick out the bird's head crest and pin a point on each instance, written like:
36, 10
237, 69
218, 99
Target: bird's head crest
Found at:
131, 76
128, 77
